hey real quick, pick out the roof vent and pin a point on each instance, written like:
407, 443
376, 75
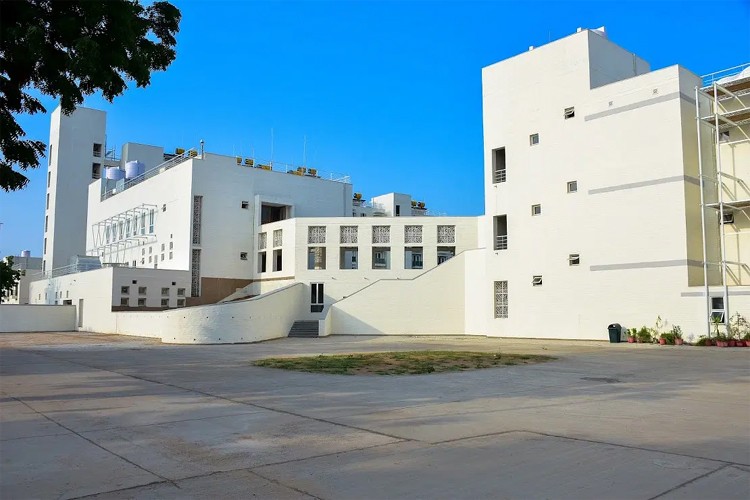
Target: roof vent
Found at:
531, 47
601, 30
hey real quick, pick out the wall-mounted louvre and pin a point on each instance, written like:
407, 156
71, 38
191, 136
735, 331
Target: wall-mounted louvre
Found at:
277, 238
349, 234
381, 234
197, 213
501, 299
262, 241
195, 268
413, 234
446, 234
316, 234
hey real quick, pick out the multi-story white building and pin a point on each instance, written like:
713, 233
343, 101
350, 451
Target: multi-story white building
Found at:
30, 269
594, 214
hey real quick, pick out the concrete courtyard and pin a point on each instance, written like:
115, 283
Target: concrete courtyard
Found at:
123, 417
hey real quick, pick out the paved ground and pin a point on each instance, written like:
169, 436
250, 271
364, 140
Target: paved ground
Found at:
121, 417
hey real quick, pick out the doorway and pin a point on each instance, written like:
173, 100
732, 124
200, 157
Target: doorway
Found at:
80, 313
316, 297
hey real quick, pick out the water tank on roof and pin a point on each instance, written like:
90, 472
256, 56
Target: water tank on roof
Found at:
25, 253
134, 169
115, 173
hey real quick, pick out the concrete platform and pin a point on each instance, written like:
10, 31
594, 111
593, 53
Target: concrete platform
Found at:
121, 417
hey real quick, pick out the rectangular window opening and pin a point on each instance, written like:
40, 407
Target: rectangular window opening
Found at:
536, 210
569, 113
413, 258
533, 139
245, 205
261, 262
381, 258
501, 232
445, 253
316, 258
277, 260
348, 257
574, 259
501, 299
96, 170
498, 165
243, 255
572, 186
536, 280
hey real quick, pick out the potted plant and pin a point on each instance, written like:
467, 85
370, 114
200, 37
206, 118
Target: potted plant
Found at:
739, 329
677, 334
632, 332
644, 335
666, 338
746, 339
704, 341
722, 340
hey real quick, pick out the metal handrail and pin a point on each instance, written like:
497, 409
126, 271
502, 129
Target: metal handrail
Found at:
501, 242
500, 176
710, 78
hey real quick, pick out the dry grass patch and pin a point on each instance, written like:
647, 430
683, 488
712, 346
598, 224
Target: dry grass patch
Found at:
401, 363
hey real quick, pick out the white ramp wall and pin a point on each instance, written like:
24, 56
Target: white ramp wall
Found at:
37, 318
265, 317
432, 303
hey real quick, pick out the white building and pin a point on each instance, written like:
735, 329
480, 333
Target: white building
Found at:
30, 269
594, 214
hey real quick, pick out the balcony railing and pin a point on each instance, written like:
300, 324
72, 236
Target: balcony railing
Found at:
500, 176
501, 242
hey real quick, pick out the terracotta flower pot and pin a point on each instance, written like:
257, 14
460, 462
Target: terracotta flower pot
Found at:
732, 343
631, 340
722, 343
662, 341
678, 341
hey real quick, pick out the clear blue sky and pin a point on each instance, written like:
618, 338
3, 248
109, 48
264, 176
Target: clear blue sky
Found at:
387, 92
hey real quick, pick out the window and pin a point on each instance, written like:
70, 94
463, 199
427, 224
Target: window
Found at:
165, 302
381, 258
316, 234
97, 149
727, 217
180, 302
533, 139
47, 201
165, 292
572, 186
164, 207
317, 297
195, 272
174, 283
445, 253
135, 263
536, 210
49, 177
724, 136
262, 262
569, 113
171, 245
413, 258
124, 301
398, 210
717, 309
151, 221
277, 260
197, 214
262, 241
180, 292
150, 259
316, 258
46, 223
142, 290
574, 259
141, 302
245, 205
45, 245
143, 223
96, 170
348, 234
501, 299
498, 165
381, 234
243, 255
49, 162
412, 234
125, 290
272, 213
171, 255
536, 280
348, 257
277, 238
162, 247
446, 234
501, 232
135, 282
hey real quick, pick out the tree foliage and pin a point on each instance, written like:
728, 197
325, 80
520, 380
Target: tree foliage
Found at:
67, 50
8, 277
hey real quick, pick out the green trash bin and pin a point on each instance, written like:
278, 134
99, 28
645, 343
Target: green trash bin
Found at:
615, 331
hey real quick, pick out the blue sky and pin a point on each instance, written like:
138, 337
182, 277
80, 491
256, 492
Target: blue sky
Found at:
387, 92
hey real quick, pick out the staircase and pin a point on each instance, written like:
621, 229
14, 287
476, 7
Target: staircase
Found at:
304, 329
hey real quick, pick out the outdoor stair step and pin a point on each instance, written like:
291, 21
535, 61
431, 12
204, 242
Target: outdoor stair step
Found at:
304, 329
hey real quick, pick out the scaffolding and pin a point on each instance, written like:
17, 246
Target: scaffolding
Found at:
723, 109
123, 231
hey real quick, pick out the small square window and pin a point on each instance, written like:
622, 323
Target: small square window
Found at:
569, 113
162, 247
572, 186
125, 290
135, 282
165, 291
245, 205
180, 292
174, 283
536, 280
124, 301
574, 259
141, 302
533, 139
171, 245
141, 290
171, 255
150, 259
180, 302
536, 210
727, 218
165, 302
162, 257
243, 255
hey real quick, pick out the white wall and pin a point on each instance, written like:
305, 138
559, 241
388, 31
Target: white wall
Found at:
432, 303
37, 318
252, 320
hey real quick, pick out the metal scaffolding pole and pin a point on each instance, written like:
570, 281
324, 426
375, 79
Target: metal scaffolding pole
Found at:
720, 187
703, 212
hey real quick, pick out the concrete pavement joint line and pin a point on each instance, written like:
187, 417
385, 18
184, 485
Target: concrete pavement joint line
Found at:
276, 481
223, 398
725, 462
153, 483
91, 441
690, 481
